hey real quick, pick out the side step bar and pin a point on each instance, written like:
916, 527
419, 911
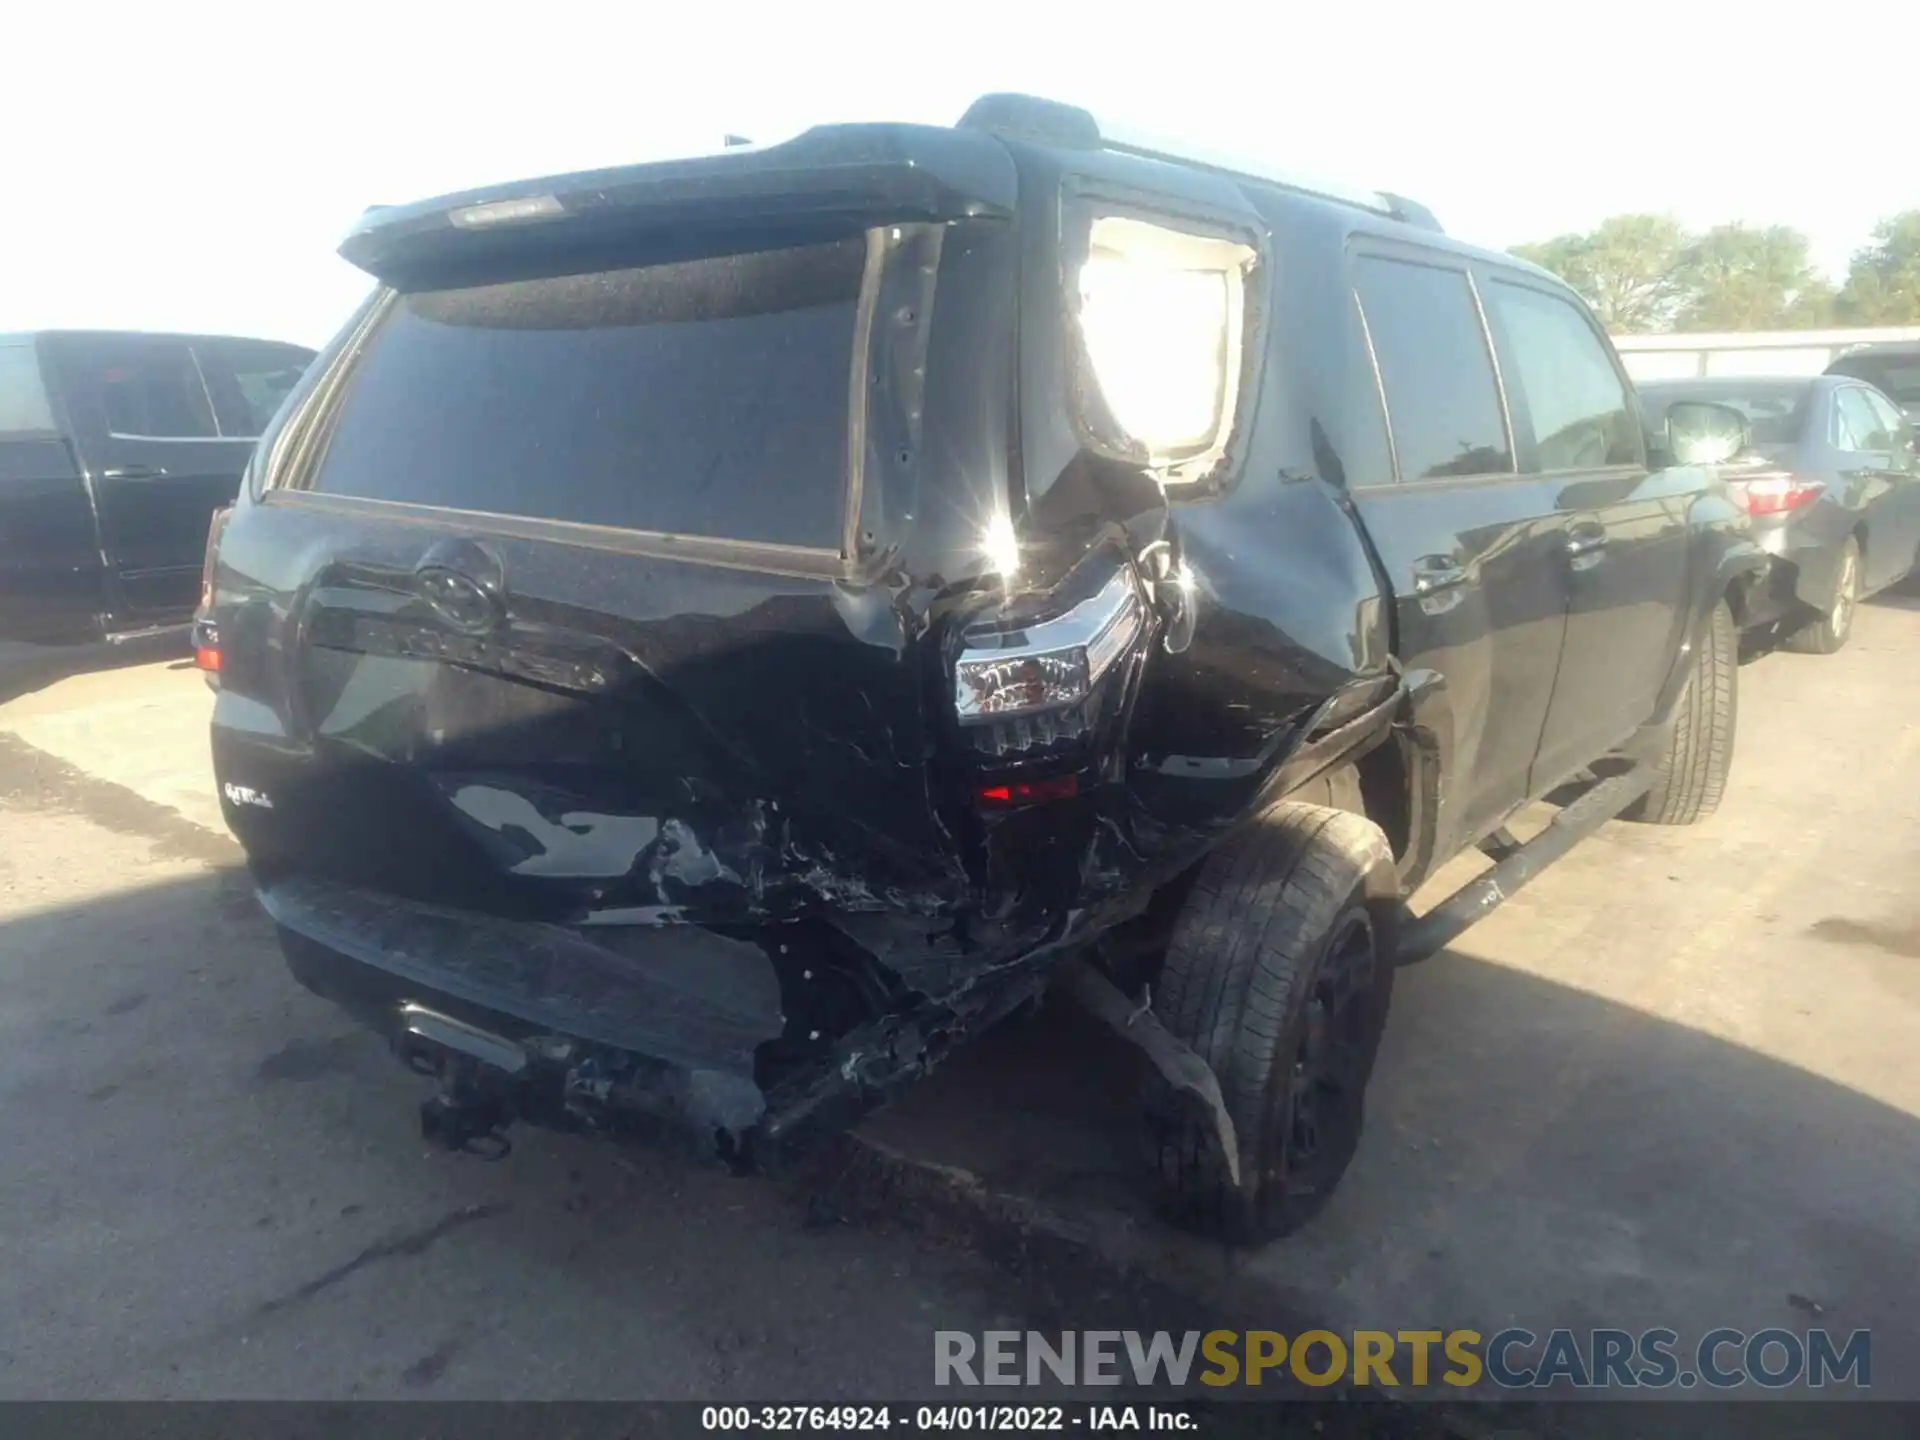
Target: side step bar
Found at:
175, 633
1516, 864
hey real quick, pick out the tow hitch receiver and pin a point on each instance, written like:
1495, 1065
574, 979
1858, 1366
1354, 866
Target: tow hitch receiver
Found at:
476, 1071
466, 1119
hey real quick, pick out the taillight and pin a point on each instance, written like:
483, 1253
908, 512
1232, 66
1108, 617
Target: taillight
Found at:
1051, 666
1009, 793
215, 527
1774, 493
206, 637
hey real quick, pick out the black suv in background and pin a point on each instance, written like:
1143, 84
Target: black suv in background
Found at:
116, 448
709, 637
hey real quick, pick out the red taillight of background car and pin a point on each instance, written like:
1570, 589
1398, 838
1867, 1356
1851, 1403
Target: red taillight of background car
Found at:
1774, 493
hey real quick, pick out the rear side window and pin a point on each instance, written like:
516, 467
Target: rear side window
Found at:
1578, 407
23, 395
1859, 429
1443, 404
707, 397
1899, 378
148, 388
247, 380
1893, 425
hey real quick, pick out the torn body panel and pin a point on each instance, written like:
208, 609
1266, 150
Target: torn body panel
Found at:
747, 1042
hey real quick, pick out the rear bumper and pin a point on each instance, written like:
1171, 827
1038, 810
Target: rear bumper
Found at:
1770, 598
676, 1040
1801, 573
680, 1030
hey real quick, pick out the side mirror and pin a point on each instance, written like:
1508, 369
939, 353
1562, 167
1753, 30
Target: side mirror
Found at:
1700, 432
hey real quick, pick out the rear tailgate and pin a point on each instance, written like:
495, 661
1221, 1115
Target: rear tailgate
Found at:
636, 733
569, 594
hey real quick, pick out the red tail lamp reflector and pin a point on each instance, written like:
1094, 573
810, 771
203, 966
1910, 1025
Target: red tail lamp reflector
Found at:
1774, 494
1029, 792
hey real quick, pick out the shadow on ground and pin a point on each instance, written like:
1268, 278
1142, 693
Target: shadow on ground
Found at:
214, 1188
1533, 1156
26, 668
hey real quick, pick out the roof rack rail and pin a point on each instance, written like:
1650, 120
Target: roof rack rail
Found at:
1051, 122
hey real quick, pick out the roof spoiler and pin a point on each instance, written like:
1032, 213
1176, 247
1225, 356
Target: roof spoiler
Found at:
828, 176
1050, 122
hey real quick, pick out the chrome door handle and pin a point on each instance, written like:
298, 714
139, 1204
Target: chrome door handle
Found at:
1436, 573
1586, 542
134, 472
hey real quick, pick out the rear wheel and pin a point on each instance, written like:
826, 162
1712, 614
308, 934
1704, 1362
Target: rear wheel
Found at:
1278, 976
1692, 772
1828, 633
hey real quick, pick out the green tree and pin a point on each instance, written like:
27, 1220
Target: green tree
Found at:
1625, 268
1883, 282
1745, 277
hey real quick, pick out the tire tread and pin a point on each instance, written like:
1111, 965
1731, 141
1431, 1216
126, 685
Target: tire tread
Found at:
1691, 776
1243, 952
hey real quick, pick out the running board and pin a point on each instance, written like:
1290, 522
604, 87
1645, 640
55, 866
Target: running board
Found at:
119, 639
1432, 932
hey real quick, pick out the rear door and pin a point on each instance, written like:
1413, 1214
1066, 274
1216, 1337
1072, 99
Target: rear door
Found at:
1624, 551
50, 580
156, 461
1471, 548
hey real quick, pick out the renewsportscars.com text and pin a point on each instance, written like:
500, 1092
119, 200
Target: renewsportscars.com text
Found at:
1512, 1359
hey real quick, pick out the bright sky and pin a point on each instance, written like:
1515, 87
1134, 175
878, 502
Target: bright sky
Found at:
192, 165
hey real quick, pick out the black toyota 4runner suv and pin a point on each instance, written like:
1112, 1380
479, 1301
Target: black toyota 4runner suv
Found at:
710, 637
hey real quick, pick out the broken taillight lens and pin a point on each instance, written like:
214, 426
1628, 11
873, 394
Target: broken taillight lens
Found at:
1051, 665
1774, 493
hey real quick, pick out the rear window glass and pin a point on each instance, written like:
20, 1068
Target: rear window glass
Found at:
149, 387
1443, 405
1775, 414
1899, 377
248, 379
1901, 381
705, 397
1578, 409
23, 396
